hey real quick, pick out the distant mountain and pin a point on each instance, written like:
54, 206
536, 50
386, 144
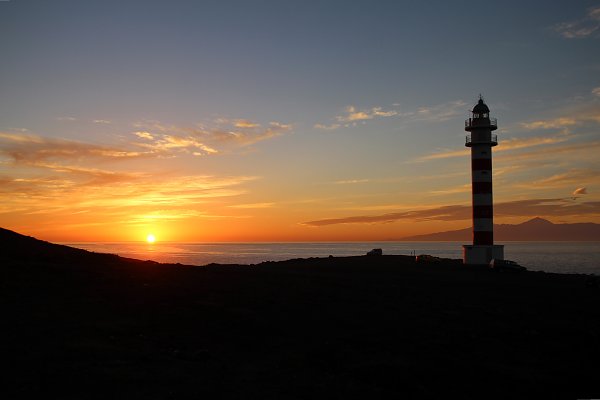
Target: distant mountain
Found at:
536, 229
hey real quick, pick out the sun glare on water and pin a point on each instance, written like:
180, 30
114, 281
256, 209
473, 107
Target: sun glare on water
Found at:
150, 238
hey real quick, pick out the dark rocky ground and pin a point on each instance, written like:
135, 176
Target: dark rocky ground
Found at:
79, 325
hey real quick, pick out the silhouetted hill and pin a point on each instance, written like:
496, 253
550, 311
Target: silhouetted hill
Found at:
81, 325
18, 248
536, 229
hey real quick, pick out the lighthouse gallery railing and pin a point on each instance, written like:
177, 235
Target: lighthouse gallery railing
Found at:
481, 122
493, 140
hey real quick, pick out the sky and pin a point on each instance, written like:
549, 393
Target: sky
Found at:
209, 121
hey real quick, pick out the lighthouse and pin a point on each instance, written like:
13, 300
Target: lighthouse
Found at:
481, 140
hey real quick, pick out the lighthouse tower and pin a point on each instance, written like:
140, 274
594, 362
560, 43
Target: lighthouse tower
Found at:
481, 140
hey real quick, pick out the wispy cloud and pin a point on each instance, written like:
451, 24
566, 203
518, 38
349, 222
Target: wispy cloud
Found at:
438, 112
352, 115
579, 151
167, 143
580, 190
144, 135
39, 173
248, 135
208, 138
582, 28
519, 208
453, 190
442, 154
560, 207
587, 116
351, 181
506, 145
447, 213
102, 121
556, 123
442, 112
33, 149
129, 197
244, 123
253, 205
564, 179
164, 215
329, 127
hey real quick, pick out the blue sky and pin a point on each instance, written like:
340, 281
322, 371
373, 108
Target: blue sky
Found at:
304, 111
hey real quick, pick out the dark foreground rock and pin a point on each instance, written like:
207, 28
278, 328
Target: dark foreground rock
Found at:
91, 326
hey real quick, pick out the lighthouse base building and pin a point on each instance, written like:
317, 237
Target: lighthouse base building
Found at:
481, 140
482, 254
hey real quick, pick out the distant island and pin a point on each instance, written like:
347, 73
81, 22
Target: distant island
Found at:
536, 229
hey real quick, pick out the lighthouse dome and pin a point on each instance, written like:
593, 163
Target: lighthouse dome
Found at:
481, 108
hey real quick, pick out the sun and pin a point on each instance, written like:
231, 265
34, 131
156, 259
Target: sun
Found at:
150, 238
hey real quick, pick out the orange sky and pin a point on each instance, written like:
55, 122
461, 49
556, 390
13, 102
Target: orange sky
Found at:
195, 123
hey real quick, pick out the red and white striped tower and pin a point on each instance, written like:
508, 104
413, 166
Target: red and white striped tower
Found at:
481, 140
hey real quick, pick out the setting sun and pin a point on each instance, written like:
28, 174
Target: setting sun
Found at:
150, 238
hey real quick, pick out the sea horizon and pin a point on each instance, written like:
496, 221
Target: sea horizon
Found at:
581, 257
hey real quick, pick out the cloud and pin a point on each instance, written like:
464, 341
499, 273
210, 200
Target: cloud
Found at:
330, 127
144, 135
581, 190
556, 123
243, 123
351, 181
208, 139
561, 207
351, 114
568, 178
585, 116
519, 208
581, 28
596, 91
504, 145
581, 116
457, 189
115, 194
102, 121
441, 112
253, 205
448, 213
33, 149
244, 136
165, 215
167, 143
40, 173
578, 150
444, 154
69, 119
91, 176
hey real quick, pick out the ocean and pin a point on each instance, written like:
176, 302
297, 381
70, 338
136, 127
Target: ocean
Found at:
559, 257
